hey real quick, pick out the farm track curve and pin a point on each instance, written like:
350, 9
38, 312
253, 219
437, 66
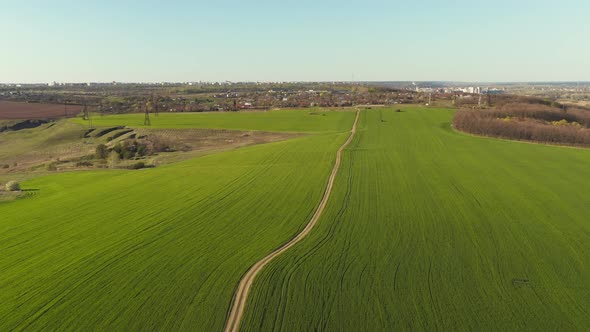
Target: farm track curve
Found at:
241, 295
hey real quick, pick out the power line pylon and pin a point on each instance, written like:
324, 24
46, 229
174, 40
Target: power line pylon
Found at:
86, 115
146, 121
155, 105
90, 121
84, 111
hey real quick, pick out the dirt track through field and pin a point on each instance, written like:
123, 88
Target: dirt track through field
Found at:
241, 295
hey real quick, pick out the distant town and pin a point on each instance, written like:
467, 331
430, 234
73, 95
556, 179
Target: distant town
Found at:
121, 97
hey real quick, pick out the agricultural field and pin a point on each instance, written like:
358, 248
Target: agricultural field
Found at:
19, 110
314, 120
431, 229
425, 228
66, 146
59, 145
159, 248
22, 149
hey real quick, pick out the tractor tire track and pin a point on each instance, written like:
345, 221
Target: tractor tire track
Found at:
241, 295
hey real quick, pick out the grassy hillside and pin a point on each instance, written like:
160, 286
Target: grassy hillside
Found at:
429, 229
157, 249
283, 120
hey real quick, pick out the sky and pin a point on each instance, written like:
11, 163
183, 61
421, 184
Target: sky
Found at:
322, 40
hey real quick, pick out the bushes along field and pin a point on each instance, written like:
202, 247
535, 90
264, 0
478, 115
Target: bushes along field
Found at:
528, 122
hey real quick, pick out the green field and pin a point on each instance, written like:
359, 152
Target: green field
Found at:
282, 120
15, 144
429, 229
157, 249
426, 229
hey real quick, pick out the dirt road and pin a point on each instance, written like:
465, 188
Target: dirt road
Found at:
241, 295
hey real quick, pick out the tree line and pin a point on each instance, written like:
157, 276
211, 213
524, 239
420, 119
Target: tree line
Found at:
530, 122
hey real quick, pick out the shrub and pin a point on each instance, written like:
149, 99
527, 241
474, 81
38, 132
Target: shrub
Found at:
102, 152
142, 150
138, 165
159, 144
132, 149
528, 122
113, 159
121, 150
12, 186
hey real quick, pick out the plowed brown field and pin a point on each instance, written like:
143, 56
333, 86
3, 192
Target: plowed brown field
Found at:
10, 110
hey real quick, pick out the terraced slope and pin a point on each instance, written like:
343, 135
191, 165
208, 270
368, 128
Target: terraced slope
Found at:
158, 249
281, 120
429, 229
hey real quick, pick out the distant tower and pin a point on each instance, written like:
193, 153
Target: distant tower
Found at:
86, 115
155, 105
85, 112
146, 121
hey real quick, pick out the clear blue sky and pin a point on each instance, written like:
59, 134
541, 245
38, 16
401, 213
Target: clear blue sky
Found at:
260, 40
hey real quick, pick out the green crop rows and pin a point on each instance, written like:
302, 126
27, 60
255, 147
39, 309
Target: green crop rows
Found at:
426, 229
429, 229
157, 249
283, 120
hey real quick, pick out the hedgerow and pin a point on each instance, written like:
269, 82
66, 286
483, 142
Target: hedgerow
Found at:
529, 122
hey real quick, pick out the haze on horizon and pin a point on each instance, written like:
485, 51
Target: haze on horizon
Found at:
148, 41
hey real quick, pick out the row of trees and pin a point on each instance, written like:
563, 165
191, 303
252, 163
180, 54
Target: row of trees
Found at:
131, 150
538, 123
541, 112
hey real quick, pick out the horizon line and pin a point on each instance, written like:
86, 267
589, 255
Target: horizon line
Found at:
294, 81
